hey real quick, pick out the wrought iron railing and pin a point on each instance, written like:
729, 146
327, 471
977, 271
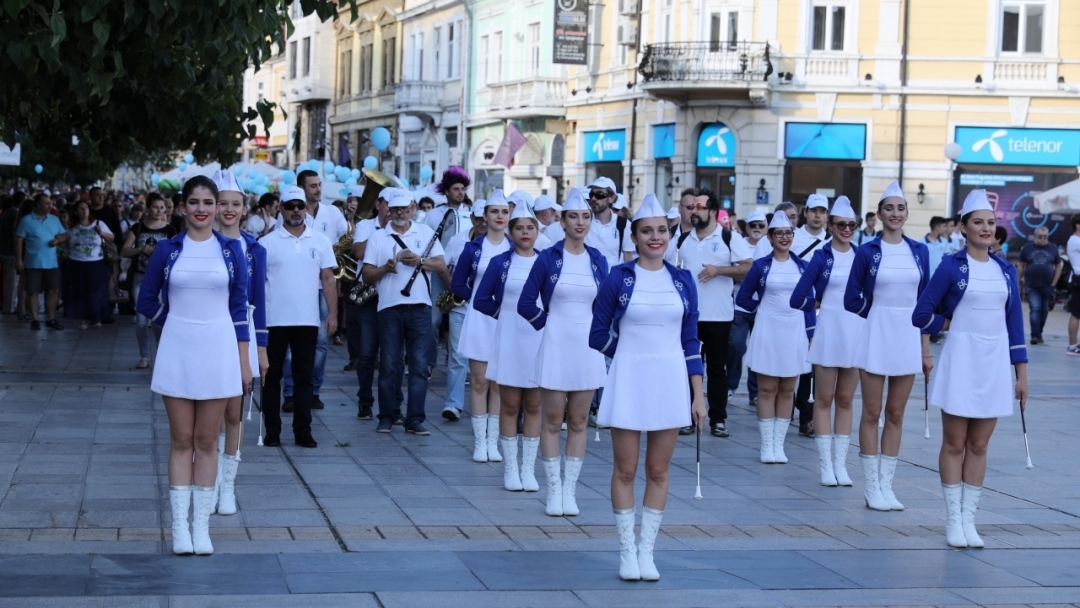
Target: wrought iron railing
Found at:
706, 61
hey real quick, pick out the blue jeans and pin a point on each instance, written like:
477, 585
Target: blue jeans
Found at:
321, 347
367, 325
1039, 299
407, 325
459, 365
437, 287
740, 331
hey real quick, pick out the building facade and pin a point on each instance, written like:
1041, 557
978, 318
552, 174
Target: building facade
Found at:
308, 86
266, 84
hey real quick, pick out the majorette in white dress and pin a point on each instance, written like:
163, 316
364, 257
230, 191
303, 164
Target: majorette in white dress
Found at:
837, 331
197, 354
516, 344
565, 362
478, 329
778, 343
889, 345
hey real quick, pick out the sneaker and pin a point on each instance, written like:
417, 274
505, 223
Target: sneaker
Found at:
36, 325
399, 420
1073, 350
719, 430
385, 426
730, 395
364, 413
418, 429
287, 405
54, 324
687, 430
316, 403
451, 413
806, 429
753, 402
350, 366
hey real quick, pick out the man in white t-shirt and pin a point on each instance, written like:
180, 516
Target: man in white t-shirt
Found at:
394, 260
609, 233
716, 256
744, 321
549, 214
809, 237
299, 263
453, 185
1072, 251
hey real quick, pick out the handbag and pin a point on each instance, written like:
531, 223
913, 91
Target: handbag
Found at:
108, 248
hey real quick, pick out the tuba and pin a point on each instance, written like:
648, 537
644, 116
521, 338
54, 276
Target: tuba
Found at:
348, 268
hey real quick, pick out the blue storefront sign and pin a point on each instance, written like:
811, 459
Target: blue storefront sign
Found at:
663, 141
605, 146
825, 141
716, 146
1009, 146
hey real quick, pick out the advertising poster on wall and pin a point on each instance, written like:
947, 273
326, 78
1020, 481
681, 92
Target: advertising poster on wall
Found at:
1015, 197
571, 32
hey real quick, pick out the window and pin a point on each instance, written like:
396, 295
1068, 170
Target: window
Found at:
453, 33
261, 96
497, 51
732, 29
388, 62
534, 49
420, 56
451, 137
714, 32
828, 27
297, 10
307, 56
345, 74
436, 45
367, 57
667, 27
1022, 27
485, 72
292, 59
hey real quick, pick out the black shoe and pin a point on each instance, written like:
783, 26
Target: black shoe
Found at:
54, 324
316, 403
364, 413
399, 420
806, 429
418, 429
305, 441
451, 413
385, 426
719, 430
287, 405
350, 366
272, 441
35, 325
687, 430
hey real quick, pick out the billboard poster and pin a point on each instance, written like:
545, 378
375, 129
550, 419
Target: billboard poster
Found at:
571, 42
1013, 197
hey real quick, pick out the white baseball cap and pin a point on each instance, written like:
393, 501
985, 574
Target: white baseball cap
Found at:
545, 202
399, 199
293, 193
603, 182
817, 201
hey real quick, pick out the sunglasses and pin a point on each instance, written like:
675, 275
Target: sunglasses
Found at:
845, 225
292, 205
757, 224
597, 195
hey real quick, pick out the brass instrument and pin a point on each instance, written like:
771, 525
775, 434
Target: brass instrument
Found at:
348, 268
447, 301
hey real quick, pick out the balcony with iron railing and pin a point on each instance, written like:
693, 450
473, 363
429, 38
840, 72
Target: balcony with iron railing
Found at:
679, 69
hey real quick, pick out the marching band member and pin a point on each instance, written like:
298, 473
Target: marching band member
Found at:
478, 329
565, 277
887, 277
196, 288
548, 212
513, 354
457, 366
977, 297
230, 212
778, 344
835, 337
645, 318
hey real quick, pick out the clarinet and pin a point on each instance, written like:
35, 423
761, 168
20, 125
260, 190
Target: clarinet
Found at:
431, 244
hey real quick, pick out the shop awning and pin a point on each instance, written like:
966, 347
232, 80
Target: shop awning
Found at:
1065, 196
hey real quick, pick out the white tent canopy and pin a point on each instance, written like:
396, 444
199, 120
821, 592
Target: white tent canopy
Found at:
1064, 197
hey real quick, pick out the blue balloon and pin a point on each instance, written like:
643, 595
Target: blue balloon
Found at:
350, 182
155, 178
328, 167
355, 174
237, 169
331, 177
344, 192
371, 162
38, 168
380, 138
189, 158
342, 173
288, 176
182, 166
426, 173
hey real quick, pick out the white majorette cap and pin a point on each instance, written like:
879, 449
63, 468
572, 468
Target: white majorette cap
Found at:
521, 211
497, 199
401, 198
545, 202
842, 208
893, 190
815, 201
575, 200
976, 201
292, 193
779, 220
478, 207
673, 213
603, 182
520, 198
756, 216
356, 191
650, 207
620, 202
226, 182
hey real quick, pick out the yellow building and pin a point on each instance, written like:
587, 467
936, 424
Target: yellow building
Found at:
771, 100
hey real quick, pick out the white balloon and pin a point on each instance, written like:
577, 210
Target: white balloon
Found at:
953, 150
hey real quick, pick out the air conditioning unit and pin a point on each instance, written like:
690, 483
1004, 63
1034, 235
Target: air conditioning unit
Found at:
628, 34
628, 7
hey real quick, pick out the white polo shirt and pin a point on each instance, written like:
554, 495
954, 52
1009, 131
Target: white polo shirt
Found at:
716, 297
803, 240
293, 276
461, 223
382, 246
365, 228
553, 231
605, 239
329, 221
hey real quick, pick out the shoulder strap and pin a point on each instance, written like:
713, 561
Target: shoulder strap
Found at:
726, 235
620, 225
685, 235
810, 248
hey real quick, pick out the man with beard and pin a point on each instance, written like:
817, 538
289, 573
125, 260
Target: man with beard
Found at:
610, 234
453, 185
716, 257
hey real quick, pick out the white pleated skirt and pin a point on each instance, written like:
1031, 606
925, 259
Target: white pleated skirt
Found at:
778, 345
477, 335
565, 362
889, 344
835, 338
197, 360
646, 392
973, 376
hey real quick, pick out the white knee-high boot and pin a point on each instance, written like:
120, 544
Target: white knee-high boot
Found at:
628, 558
766, 429
885, 479
511, 473
529, 447
780, 428
552, 468
180, 500
650, 527
954, 529
872, 490
824, 448
203, 498
968, 505
569, 492
493, 439
227, 484
840, 450
479, 429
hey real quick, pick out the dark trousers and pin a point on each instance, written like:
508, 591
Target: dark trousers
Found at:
737, 339
301, 340
804, 398
408, 326
352, 329
714, 351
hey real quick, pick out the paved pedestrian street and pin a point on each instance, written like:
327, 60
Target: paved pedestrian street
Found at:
399, 520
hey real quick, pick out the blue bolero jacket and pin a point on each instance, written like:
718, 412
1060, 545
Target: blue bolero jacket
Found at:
154, 293
613, 298
814, 281
947, 288
543, 277
464, 279
859, 294
256, 289
754, 284
489, 293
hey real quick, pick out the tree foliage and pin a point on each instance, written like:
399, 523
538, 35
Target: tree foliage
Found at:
133, 78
